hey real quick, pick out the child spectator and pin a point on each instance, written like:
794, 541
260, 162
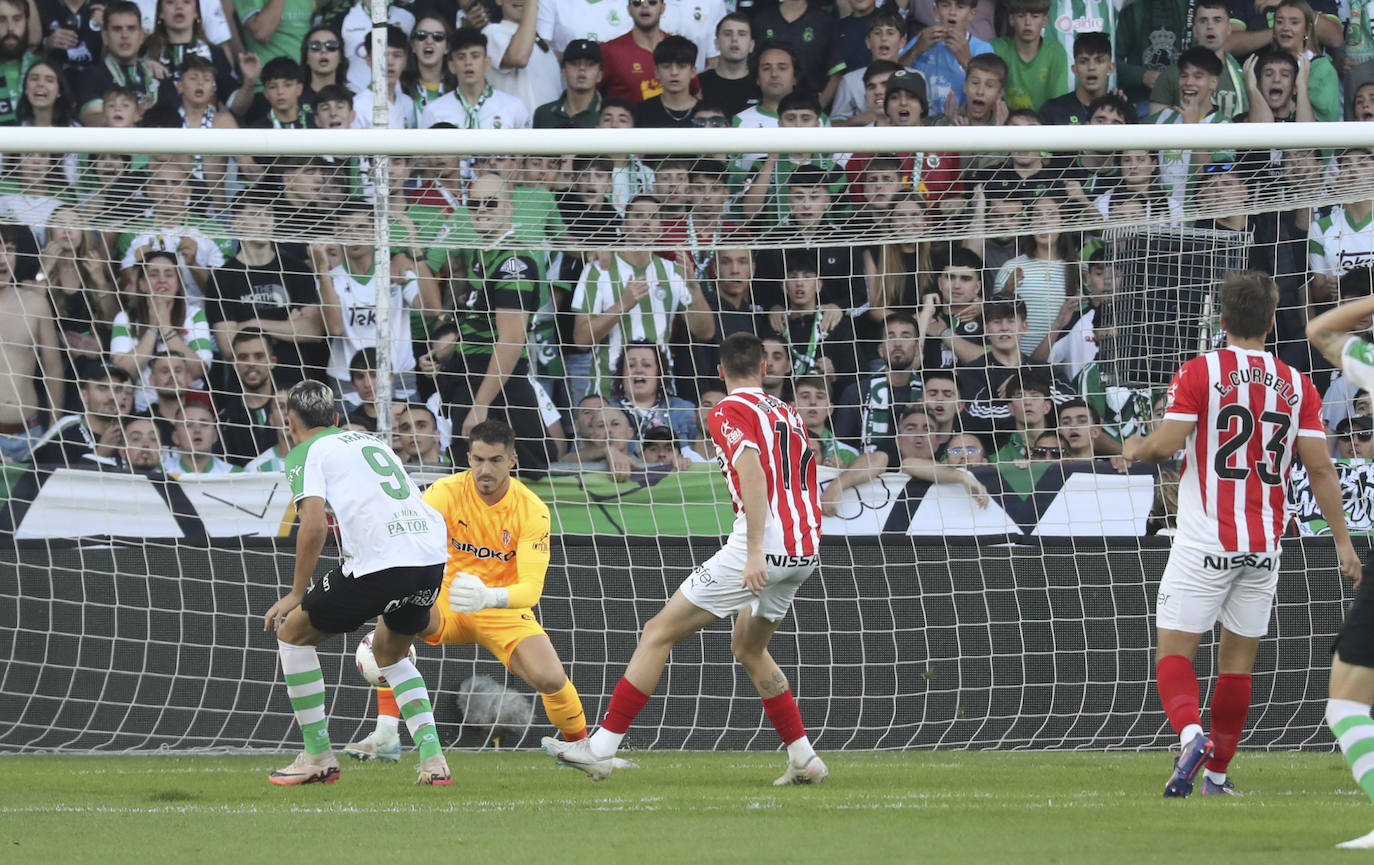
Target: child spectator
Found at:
474, 104
283, 85
401, 113
1043, 276
884, 39
813, 406
984, 103
1211, 27
674, 68
1092, 70
123, 66
1275, 94
941, 52
1037, 68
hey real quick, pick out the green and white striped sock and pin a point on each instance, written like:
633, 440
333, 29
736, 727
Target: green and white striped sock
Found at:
305, 686
1354, 731
413, 698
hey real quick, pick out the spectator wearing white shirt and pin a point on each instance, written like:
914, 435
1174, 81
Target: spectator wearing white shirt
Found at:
695, 19
562, 21
523, 63
401, 108
475, 104
356, 30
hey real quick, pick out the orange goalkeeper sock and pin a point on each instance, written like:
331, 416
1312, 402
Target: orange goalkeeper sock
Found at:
386, 704
564, 709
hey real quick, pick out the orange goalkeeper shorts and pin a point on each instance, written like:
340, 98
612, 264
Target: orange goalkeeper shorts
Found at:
498, 631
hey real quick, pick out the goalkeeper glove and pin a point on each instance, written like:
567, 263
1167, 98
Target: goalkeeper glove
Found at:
468, 594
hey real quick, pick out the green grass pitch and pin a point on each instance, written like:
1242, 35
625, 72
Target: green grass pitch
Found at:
698, 808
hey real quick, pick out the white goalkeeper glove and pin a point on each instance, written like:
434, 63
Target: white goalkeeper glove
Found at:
468, 594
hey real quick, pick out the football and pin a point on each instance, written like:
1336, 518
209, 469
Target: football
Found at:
367, 664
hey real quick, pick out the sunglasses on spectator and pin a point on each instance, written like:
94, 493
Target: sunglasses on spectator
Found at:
431, 35
964, 451
701, 122
1047, 453
1363, 436
326, 45
1219, 166
488, 203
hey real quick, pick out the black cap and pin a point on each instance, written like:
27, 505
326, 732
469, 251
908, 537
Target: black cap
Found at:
909, 80
106, 372
582, 49
658, 434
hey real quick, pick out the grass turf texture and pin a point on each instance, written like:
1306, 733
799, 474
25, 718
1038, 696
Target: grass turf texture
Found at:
697, 808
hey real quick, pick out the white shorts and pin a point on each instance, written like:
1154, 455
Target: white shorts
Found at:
1199, 586
717, 584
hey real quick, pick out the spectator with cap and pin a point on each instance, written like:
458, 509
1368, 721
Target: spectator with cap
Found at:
580, 104
934, 177
1354, 438
657, 447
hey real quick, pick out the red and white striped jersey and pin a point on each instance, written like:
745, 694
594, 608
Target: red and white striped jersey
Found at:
1249, 408
750, 418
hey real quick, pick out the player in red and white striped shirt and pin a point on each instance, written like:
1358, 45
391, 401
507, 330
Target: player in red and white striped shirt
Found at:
764, 452
1240, 415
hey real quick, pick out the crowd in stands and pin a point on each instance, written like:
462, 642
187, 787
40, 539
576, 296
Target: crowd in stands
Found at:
166, 346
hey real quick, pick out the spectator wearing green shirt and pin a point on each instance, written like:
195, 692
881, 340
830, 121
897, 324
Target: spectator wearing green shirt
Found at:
274, 28
1211, 27
1295, 33
1037, 68
1149, 38
580, 104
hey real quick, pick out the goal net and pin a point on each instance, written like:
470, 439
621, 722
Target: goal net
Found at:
969, 333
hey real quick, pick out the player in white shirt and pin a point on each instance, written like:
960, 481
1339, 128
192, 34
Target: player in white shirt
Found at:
394, 547
475, 104
562, 21
523, 63
1241, 415
1352, 660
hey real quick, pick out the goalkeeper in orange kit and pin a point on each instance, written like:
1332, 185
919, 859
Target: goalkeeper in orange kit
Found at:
498, 553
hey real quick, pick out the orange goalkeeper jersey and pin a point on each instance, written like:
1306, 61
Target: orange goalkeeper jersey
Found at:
505, 544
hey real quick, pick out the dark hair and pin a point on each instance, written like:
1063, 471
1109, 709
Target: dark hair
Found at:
410, 76
195, 62
784, 47
63, 112
1092, 44
939, 372
1356, 282
809, 176
675, 49
1026, 113
960, 256
101, 372
1078, 402
247, 335
1028, 382
312, 402
1213, 4
1248, 299
885, 17
363, 360
334, 93
737, 17
991, 64
281, 68
1200, 58
137, 306
1116, 103
122, 7
800, 99
618, 389
901, 316
467, 37
1273, 55
340, 71
1003, 308
741, 355
613, 102
492, 432
878, 67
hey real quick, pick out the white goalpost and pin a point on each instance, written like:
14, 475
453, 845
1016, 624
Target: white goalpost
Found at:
997, 604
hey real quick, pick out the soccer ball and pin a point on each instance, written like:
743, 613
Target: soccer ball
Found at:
367, 664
